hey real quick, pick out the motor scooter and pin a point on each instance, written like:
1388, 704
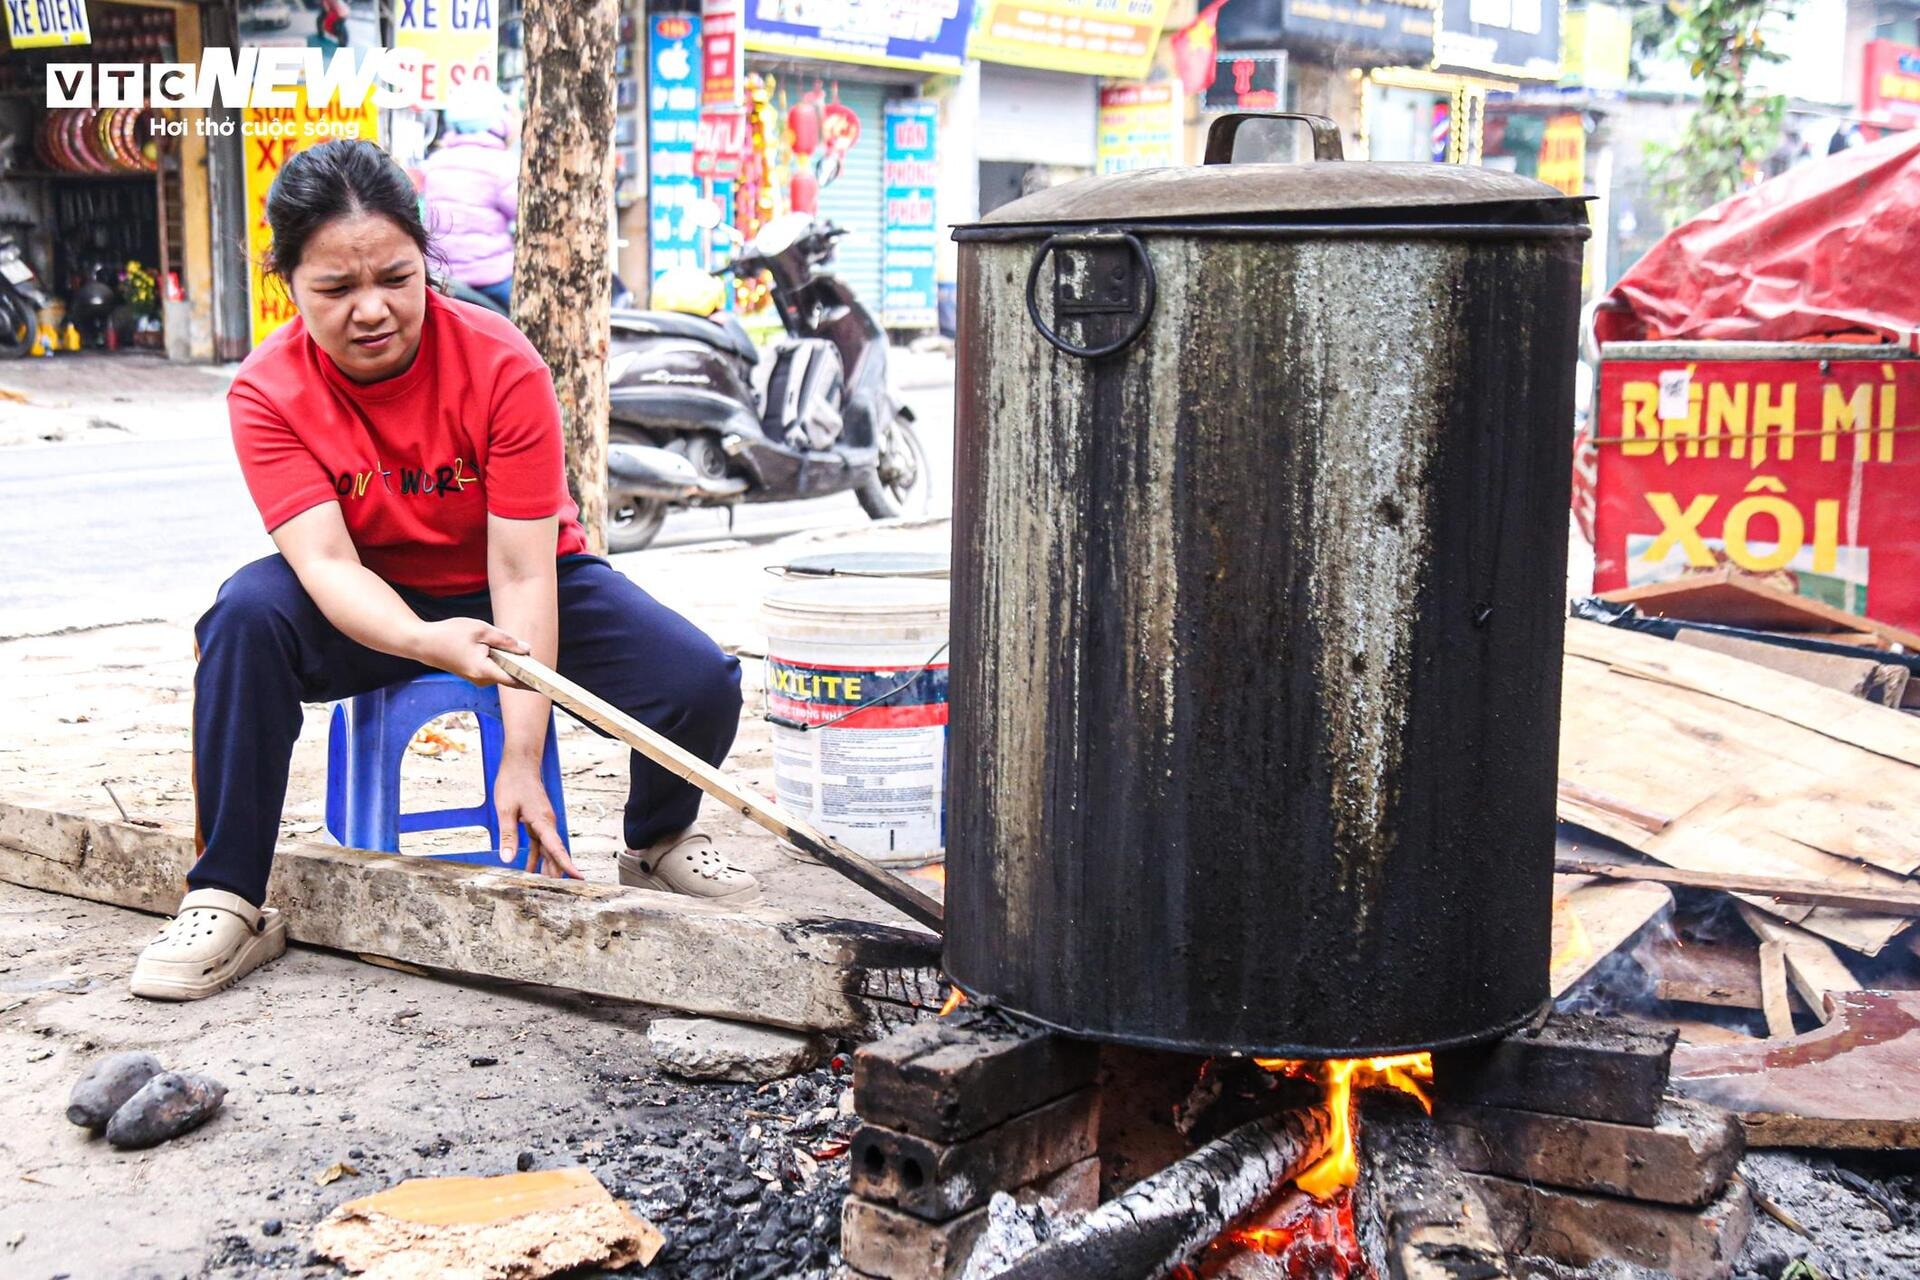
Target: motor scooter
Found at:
21, 299
703, 418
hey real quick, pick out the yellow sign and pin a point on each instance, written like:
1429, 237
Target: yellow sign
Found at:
447, 43
42, 24
1563, 155
272, 135
1091, 37
1596, 46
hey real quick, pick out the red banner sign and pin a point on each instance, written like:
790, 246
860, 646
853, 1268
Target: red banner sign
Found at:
1890, 87
719, 142
1800, 471
723, 52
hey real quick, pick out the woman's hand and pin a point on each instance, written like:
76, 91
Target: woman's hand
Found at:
522, 801
460, 645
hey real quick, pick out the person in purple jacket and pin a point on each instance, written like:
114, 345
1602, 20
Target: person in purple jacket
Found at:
471, 187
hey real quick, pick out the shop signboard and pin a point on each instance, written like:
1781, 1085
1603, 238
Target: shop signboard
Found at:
1563, 154
1801, 471
1353, 33
723, 56
1598, 48
448, 42
1139, 126
47, 24
673, 119
1113, 38
1515, 38
1244, 80
719, 143
908, 35
270, 137
1890, 93
911, 172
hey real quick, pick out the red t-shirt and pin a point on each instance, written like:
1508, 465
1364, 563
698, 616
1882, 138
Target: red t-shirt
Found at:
416, 462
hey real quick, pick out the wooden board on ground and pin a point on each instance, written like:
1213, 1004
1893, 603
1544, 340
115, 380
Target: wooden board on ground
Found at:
1811, 966
1734, 599
1881, 682
1854, 1083
1713, 764
1725, 975
754, 965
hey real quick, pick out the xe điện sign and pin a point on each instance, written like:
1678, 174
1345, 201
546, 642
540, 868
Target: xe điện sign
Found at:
271, 136
1805, 478
47, 24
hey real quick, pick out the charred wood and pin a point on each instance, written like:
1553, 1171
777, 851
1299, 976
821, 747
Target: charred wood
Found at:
1165, 1220
1418, 1216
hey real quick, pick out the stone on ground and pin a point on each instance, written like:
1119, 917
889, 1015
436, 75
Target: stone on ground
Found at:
106, 1084
166, 1106
714, 1049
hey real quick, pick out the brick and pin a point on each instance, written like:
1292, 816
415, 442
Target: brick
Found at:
947, 1083
890, 1245
1685, 1158
1576, 1065
1581, 1230
939, 1180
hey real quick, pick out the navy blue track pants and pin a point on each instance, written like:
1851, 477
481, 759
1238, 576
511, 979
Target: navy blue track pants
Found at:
265, 648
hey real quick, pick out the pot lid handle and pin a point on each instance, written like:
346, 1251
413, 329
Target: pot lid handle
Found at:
1222, 134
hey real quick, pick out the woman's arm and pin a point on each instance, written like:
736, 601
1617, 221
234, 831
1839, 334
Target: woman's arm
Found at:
523, 580
366, 609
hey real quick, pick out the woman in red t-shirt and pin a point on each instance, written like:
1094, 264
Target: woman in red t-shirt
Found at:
404, 450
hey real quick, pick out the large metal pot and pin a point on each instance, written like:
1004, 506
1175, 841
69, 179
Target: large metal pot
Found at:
1259, 560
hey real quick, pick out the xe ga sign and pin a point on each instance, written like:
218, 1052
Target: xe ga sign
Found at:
43, 24
447, 42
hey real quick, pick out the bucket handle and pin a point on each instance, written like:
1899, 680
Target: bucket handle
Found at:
1224, 132
1141, 310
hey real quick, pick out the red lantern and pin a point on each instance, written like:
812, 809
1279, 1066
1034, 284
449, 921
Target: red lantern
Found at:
803, 193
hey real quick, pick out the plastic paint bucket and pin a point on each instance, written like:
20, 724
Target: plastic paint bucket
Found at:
857, 693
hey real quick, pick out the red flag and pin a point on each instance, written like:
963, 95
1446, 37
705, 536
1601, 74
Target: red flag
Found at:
1196, 49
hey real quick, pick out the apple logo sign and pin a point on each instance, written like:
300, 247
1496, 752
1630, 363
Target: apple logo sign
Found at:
675, 63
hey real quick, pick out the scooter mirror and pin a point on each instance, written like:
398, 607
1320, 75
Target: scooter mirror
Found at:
705, 214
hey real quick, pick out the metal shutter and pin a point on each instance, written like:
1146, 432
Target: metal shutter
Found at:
857, 198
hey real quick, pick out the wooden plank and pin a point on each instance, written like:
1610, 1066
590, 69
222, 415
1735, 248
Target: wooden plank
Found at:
941, 1180
1576, 1065
1583, 1230
752, 965
1684, 1158
1892, 902
1773, 990
1722, 974
1832, 714
946, 1082
1851, 1084
1881, 682
588, 706
1733, 599
1810, 964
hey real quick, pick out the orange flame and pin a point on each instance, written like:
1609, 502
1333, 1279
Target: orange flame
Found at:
1571, 946
955, 998
1338, 1077
934, 873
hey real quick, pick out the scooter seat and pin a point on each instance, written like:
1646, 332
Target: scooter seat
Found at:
722, 331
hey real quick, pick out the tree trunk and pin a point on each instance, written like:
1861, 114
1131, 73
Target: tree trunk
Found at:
562, 288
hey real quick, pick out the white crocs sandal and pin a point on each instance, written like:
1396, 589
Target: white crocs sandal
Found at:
688, 864
217, 939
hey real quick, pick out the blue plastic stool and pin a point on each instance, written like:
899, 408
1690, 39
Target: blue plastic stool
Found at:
367, 742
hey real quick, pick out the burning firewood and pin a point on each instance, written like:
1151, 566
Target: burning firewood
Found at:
1164, 1220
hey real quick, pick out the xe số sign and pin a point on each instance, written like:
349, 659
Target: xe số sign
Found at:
1802, 477
448, 42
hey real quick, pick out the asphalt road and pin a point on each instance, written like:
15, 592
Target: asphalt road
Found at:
100, 533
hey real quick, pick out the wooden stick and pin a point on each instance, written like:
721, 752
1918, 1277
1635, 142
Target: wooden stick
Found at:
1880, 902
602, 714
1813, 968
1159, 1223
1773, 990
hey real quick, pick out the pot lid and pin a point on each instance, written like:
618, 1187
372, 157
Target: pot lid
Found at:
1327, 190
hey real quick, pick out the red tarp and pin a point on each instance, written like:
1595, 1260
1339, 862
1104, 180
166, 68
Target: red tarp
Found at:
1828, 249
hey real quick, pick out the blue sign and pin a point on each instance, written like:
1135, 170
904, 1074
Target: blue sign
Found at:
909, 295
910, 35
673, 116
